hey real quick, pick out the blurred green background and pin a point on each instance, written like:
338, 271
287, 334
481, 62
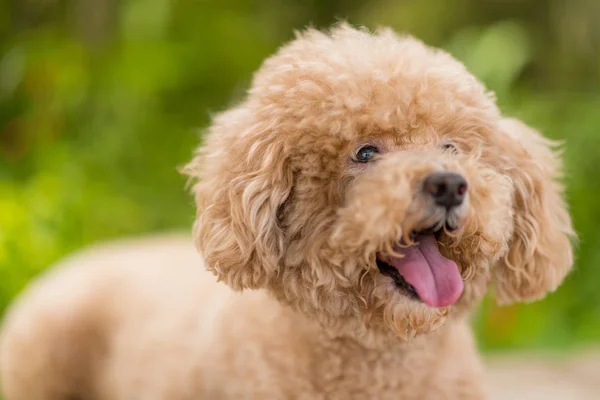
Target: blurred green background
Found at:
101, 101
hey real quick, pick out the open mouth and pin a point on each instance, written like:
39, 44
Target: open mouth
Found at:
420, 271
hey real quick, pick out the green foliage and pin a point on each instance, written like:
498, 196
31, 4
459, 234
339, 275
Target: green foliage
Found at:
101, 101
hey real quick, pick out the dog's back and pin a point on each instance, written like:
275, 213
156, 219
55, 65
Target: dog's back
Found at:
59, 336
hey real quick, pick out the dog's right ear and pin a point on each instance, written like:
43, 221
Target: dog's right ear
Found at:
242, 178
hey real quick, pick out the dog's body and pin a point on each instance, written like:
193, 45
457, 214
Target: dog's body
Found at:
146, 323
369, 190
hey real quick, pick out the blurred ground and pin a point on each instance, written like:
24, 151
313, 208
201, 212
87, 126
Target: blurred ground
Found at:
544, 377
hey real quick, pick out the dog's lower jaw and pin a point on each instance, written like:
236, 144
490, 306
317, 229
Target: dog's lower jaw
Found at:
381, 315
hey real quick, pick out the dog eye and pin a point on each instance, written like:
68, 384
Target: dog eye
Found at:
366, 154
449, 146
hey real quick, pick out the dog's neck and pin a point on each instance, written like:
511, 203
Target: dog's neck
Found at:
355, 362
335, 356
351, 357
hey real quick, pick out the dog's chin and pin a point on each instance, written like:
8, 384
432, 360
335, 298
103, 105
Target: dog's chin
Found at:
402, 316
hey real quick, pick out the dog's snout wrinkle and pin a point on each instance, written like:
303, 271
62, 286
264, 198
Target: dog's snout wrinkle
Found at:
448, 189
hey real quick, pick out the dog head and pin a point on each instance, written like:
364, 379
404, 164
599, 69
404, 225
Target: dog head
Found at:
368, 180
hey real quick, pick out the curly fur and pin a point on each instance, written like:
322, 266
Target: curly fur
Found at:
283, 208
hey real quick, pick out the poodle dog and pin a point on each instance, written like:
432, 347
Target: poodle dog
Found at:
355, 206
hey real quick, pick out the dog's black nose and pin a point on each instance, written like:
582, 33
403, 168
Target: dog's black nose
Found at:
448, 189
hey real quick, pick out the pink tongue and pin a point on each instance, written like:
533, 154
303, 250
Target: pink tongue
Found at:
435, 278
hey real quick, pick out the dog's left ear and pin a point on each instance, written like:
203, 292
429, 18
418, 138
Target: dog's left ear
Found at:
540, 252
242, 179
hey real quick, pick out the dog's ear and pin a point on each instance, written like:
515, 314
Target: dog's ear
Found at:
242, 178
540, 253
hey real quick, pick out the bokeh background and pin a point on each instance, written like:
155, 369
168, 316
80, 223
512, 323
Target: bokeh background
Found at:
101, 101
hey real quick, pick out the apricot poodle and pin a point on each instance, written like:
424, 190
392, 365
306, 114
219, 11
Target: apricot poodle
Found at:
359, 202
